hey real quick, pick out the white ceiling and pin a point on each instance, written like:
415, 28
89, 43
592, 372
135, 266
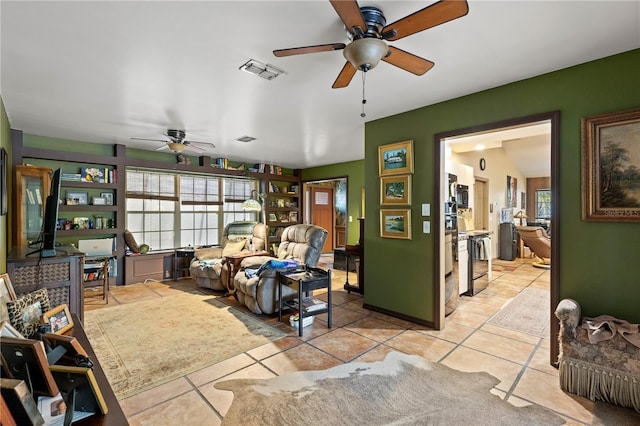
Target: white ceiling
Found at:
108, 71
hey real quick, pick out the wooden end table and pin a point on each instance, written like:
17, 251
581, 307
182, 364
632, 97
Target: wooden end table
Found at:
306, 280
233, 260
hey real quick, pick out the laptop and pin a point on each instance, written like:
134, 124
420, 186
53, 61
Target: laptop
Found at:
102, 247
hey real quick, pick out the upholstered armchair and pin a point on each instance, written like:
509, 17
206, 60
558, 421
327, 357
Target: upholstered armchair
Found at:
536, 238
259, 293
208, 268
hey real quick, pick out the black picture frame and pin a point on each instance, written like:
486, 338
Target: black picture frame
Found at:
26, 359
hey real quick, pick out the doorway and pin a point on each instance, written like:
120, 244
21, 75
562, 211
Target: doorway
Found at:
443, 153
326, 206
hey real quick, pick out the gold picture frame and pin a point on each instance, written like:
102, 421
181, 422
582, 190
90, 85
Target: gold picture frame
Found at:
395, 190
59, 318
395, 223
610, 177
395, 158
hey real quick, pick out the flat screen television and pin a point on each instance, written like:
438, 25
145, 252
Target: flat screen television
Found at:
47, 238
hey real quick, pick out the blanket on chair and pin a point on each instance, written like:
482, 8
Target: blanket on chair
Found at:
604, 327
270, 264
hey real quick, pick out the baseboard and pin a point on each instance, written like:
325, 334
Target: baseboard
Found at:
399, 315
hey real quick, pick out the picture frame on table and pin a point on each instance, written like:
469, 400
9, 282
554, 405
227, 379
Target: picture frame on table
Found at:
28, 361
59, 318
7, 330
395, 223
395, 158
25, 311
108, 196
395, 190
610, 167
77, 198
81, 380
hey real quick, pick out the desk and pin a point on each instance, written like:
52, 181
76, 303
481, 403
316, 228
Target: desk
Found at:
305, 280
115, 416
179, 257
233, 261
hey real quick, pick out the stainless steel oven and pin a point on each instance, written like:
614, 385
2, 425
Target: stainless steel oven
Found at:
479, 246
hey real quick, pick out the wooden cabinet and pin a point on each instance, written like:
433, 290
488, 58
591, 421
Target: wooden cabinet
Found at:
32, 186
60, 275
282, 205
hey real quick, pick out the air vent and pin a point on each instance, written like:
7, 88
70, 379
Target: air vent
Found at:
245, 139
266, 71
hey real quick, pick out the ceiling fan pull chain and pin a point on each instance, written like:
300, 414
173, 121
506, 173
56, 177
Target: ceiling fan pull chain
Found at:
364, 101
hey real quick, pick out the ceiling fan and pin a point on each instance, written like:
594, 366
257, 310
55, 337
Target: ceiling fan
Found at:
176, 142
367, 29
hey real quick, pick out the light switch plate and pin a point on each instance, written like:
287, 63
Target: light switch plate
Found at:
426, 209
426, 227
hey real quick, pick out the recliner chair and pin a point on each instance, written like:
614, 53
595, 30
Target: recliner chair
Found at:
302, 243
536, 238
208, 268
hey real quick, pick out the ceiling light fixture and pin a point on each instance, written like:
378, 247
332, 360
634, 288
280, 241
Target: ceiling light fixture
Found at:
364, 54
266, 71
176, 147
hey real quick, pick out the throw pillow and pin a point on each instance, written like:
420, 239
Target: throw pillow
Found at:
25, 312
233, 247
130, 241
208, 253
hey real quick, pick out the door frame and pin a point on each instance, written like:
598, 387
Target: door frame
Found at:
306, 202
439, 140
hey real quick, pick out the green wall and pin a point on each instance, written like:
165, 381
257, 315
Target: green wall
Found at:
354, 171
598, 260
5, 142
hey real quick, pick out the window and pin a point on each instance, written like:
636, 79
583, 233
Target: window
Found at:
168, 210
543, 204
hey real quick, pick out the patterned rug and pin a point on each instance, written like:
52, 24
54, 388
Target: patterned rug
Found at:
401, 390
142, 345
528, 312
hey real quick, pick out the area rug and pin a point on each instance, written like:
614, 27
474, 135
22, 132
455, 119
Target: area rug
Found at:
144, 344
401, 390
528, 313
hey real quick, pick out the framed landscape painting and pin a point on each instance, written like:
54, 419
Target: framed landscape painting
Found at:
396, 158
395, 224
611, 167
395, 190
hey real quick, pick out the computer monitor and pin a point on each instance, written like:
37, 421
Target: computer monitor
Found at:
47, 238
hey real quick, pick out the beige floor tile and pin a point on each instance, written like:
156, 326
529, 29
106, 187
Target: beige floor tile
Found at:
187, 409
273, 348
512, 334
468, 319
154, 396
541, 361
452, 332
470, 360
375, 329
417, 343
300, 358
343, 344
341, 316
220, 369
357, 305
477, 307
500, 346
378, 353
221, 399
543, 389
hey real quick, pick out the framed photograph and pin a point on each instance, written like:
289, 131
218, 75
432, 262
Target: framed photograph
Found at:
25, 311
81, 379
396, 158
81, 223
395, 224
273, 217
283, 217
280, 202
69, 343
99, 201
92, 174
395, 190
59, 319
28, 361
108, 196
611, 167
293, 216
77, 198
18, 405
7, 330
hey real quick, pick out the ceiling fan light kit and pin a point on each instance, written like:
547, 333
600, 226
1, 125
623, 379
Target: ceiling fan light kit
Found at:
365, 53
176, 147
176, 142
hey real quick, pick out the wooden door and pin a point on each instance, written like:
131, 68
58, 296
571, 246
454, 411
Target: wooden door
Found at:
480, 205
322, 212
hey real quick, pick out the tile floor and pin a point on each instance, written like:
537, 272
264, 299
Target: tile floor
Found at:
468, 343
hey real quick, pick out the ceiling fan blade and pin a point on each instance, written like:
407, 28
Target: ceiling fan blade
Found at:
408, 61
349, 13
200, 144
163, 147
431, 16
309, 49
345, 76
144, 139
